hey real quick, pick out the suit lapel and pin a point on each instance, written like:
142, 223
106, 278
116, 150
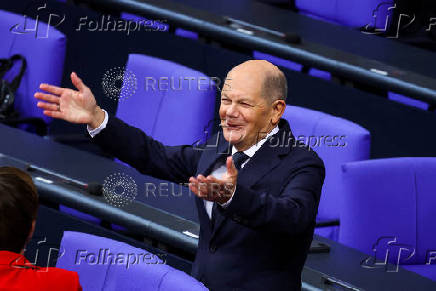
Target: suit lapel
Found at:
219, 149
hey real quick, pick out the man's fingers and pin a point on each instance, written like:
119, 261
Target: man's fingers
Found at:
54, 114
231, 169
47, 97
199, 189
193, 189
209, 187
199, 186
52, 89
48, 106
77, 82
193, 186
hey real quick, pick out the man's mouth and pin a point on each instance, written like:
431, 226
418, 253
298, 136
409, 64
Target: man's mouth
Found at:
233, 126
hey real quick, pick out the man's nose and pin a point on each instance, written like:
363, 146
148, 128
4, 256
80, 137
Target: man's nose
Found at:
232, 111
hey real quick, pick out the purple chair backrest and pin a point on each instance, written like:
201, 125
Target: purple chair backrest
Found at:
336, 141
44, 51
349, 13
150, 277
105, 264
172, 103
390, 205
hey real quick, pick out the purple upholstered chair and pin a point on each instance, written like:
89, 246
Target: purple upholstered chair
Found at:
106, 265
150, 277
172, 103
44, 51
390, 205
337, 141
349, 13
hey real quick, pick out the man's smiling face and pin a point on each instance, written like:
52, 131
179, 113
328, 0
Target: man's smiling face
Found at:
244, 111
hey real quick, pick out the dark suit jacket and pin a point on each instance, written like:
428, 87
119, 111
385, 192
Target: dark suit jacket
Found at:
260, 241
17, 273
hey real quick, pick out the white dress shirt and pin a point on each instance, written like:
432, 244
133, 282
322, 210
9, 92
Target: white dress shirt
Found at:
217, 173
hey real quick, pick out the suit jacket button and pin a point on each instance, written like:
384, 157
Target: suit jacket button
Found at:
237, 218
212, 248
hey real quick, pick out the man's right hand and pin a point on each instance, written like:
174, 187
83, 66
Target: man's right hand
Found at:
71, 105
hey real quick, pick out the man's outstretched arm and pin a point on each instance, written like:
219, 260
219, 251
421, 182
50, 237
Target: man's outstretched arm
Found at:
128, 143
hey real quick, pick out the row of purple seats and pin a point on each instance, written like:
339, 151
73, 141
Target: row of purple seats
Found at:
388, 212
106, 265
376, 18
356, 14
327, 76
377, 9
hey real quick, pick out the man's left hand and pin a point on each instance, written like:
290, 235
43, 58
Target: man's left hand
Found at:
213, 189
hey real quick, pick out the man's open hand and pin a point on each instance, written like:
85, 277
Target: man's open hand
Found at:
212, 189
70, 105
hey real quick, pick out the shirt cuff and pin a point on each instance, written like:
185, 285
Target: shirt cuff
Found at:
95, 131
224, 205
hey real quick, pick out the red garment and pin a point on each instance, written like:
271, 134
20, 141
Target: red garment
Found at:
17, 273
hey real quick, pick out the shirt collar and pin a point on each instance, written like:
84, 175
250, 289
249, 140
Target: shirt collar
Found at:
253, 149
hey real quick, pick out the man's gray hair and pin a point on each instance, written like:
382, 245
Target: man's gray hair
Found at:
275, 86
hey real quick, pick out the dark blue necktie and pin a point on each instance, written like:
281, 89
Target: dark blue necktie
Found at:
238, 159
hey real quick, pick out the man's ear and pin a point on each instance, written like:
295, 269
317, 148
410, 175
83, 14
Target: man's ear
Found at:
278, 110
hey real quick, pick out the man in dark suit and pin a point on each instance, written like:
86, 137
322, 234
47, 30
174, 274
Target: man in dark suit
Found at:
256, 207
18, 209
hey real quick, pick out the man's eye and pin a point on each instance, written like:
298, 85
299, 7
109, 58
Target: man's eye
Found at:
225, 100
